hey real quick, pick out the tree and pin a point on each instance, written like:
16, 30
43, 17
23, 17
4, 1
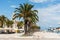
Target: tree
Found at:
3, 19
35, 28
20, 24
29, 16
9, 23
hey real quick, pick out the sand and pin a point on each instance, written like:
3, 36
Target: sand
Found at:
46, 35
36, 36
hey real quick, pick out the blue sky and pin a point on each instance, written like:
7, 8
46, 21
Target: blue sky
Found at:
48, 10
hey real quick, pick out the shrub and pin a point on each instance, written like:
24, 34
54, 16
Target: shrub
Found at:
35, 28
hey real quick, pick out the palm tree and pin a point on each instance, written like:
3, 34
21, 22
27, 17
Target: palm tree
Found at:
29, 16
9, 23
20, 24
3, 19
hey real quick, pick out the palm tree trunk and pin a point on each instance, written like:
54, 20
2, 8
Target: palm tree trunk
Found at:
29, 27
7, 25
25, 27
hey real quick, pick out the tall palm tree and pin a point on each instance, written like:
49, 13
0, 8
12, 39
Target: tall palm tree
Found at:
26, 12
3, 19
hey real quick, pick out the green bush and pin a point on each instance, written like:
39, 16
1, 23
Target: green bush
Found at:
35, 28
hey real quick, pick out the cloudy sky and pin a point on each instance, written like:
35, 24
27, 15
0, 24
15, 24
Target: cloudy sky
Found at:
48, 10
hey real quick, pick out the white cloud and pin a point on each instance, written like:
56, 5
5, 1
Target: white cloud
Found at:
58, 22
13, 6
41, 1
49, 13
55, 18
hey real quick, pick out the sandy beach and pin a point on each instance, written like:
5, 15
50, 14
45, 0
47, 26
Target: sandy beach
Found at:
46, 35
36, 36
